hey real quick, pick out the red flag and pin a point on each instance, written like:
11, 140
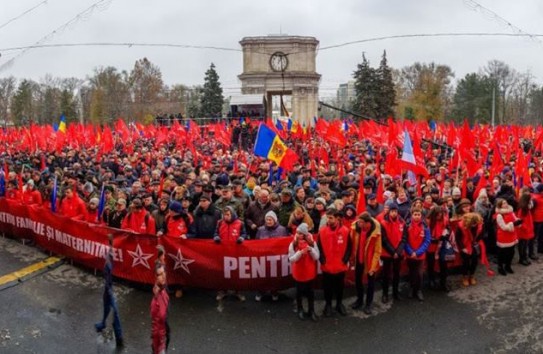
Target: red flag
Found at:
335, 136
361, 204
160, 187
288, 161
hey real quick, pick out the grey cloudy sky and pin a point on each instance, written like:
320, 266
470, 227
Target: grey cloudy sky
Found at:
224, 23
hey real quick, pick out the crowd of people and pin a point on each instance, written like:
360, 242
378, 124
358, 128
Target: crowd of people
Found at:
226, 194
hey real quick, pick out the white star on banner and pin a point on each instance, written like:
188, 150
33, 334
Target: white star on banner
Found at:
180, 261
140, 257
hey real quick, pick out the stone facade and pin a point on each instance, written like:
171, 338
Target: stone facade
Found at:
299, 79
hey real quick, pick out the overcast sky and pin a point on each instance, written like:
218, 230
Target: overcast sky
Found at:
223, 23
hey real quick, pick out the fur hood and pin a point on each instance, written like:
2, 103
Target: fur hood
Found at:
506, 210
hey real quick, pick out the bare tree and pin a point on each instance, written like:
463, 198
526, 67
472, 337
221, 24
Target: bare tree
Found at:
7, 88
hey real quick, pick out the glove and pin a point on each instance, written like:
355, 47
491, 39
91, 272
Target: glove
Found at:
517, 222
239, 240
217, 239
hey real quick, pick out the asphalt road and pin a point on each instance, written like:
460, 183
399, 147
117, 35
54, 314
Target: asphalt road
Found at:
54, 312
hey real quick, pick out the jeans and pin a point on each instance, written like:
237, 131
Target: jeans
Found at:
109, 303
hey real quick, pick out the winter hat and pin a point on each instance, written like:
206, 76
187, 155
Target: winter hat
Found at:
271, 214
303, 229
176, 207
88, 187
30, 182
482, 193
391, 205
463, 202
456, 192
94, 201
387, 195
320, 200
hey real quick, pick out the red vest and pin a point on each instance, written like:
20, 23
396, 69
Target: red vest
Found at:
506, 238
334, 246
436, 233
31, 197
229, 232
305, 269
394, 233
72, 207
537, 211
176, 227
526, 230
415, 237
137, 221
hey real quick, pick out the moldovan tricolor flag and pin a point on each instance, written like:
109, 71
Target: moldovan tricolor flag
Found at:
269, 145
409, 160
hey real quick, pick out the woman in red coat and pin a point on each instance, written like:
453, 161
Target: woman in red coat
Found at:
525, 231
303, 255
438, 222
506, 236
468, 236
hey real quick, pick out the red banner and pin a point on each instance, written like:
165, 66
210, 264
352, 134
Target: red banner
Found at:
252, 265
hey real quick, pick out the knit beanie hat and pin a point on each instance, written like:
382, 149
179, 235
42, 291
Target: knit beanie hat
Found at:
456, 192
271, 214
303, 229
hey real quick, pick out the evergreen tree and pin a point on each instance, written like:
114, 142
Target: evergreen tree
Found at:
386, 98
68, 106
473, 99
211, 101
366, 89
22, 104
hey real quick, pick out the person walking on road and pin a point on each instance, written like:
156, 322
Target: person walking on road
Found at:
159, 311
109, 298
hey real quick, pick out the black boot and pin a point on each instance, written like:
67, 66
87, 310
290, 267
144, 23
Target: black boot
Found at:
501, 270
301, 315
357, 304
327, 310
508, 269
341, 309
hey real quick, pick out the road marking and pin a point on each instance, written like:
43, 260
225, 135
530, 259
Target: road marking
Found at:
27, 271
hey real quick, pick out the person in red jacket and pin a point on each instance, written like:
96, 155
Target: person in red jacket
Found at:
525, 231
537, 216
12, 193
506, 236
367, 244
31, 196
177, 221
417, 242
230, 229
393, 242
335, 250
138, 219
159, 311
91, 214
440, 231
303, 254
468, 234
71, 205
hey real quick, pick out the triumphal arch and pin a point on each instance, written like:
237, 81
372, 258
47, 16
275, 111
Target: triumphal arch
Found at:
282, 65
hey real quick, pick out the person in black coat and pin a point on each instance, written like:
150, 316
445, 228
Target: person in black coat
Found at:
206, 217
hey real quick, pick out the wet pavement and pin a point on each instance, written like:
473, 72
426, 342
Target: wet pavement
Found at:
54, 312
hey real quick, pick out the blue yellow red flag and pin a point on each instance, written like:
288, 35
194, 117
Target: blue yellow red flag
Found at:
269, 145
62, 124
